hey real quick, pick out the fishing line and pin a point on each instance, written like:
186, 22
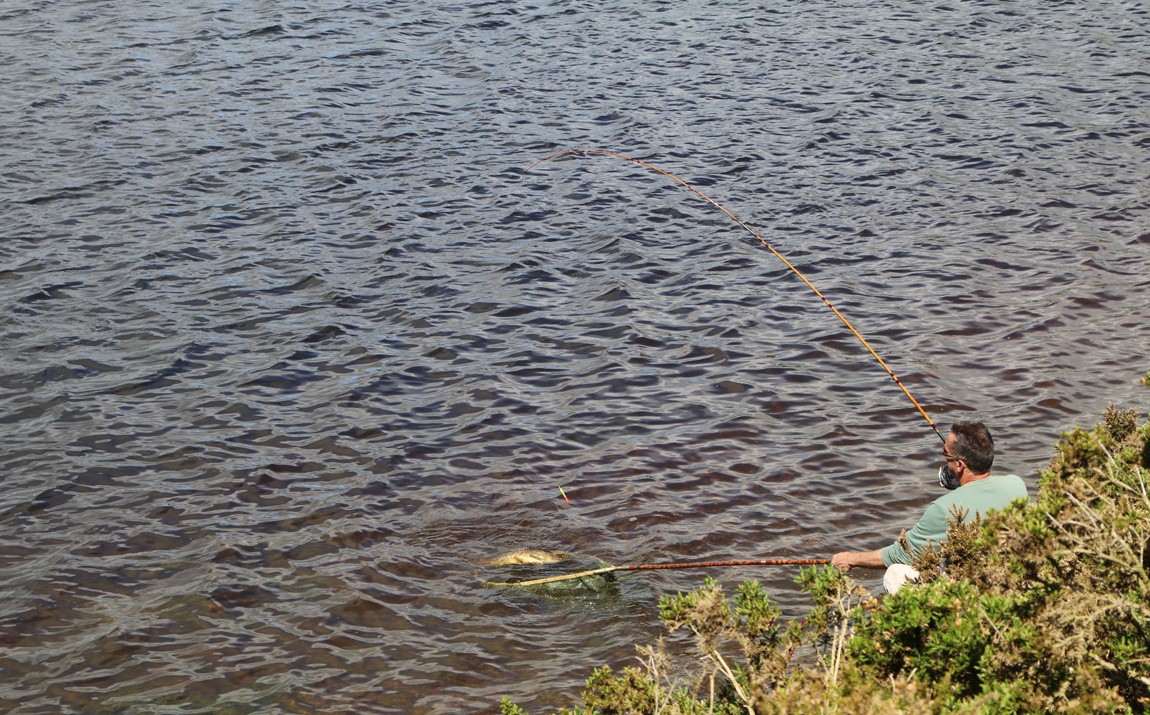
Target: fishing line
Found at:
654, 567
770, 248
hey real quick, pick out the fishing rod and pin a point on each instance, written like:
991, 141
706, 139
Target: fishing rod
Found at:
653, 567
770, 248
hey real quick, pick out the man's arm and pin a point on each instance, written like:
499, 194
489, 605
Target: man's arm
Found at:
931, 528
846, 560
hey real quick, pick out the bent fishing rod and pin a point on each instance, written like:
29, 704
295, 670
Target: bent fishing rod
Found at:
653, 567
770, 248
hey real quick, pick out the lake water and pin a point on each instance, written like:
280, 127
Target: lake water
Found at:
293, 334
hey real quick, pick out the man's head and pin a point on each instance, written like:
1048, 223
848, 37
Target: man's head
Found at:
971, 443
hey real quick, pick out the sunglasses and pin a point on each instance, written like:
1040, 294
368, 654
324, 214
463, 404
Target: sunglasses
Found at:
950, 457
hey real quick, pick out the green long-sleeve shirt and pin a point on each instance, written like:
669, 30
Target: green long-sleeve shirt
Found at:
993, 492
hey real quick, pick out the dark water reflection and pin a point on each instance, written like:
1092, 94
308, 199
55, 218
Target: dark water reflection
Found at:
292, 337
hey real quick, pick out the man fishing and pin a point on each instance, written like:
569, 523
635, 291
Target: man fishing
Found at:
969, 447
969, 454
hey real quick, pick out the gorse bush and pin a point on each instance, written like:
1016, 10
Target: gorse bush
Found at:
1039, 608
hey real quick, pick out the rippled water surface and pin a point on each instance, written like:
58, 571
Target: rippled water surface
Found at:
293, 333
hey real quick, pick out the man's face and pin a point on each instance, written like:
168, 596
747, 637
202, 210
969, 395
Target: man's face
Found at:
954, 466
948, 452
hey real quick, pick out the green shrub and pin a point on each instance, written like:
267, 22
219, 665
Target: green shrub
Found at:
930, 630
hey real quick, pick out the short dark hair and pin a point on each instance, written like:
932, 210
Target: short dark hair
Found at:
973, 445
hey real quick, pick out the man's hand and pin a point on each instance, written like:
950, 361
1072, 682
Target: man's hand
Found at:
846, 560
